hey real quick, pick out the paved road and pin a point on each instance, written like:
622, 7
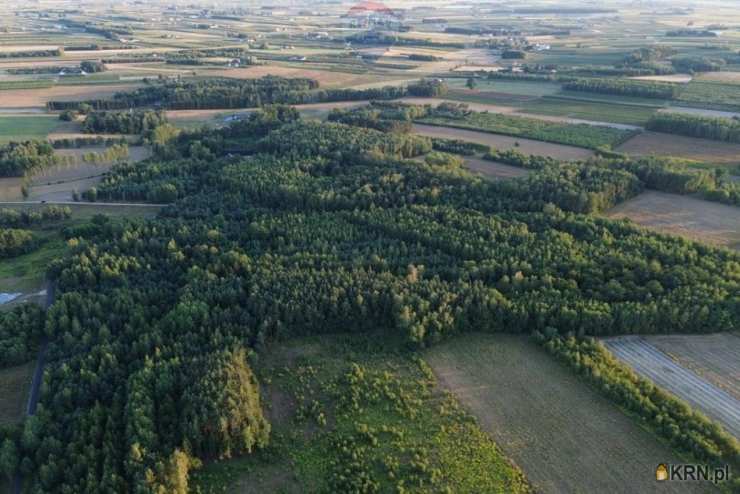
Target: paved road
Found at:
38, 374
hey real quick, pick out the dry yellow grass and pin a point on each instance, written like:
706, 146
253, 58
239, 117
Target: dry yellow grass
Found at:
24, 98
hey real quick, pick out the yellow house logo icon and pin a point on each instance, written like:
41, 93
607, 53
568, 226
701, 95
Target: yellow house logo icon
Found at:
661, 473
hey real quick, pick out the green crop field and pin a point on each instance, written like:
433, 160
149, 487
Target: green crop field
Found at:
20, 128
590, 110
520, 88
711, 95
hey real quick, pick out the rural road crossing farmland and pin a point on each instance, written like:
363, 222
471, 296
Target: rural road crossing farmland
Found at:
650, 362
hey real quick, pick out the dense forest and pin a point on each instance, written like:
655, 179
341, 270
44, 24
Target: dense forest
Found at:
57, 52
239, 93
282, 228
21, 330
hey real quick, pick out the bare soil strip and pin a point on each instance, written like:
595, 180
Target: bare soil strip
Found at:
650, 362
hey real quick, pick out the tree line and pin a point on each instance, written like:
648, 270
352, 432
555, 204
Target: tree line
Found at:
715, 128
14, 218
130, 122
235, 93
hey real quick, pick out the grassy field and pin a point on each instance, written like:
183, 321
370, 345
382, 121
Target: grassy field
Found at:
566, 436
14, 385
696, 219
522, 88
19, 128
585, 136
590, 110
711, 94
322, 392
526, 146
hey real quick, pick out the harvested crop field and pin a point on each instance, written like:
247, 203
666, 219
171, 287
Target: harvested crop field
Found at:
727, 77
493, 170
565, 436
526, 146
656, 365
715, 357
654, 143
14, 385
24, 98
696, 219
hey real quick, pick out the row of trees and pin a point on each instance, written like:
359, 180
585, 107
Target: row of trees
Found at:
715, 128
624, 87
131, 122
235, 93
81, 142
14, 218
56, 52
